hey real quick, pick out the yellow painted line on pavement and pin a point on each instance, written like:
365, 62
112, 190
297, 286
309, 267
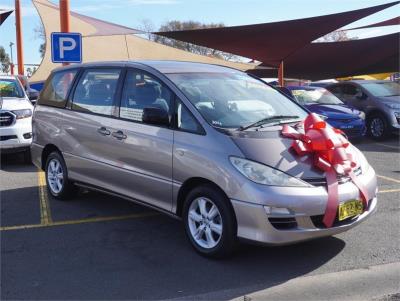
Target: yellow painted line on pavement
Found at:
389, 190
45, 213
81, 221
388, 179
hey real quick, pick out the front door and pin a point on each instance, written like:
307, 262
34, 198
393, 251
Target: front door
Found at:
143, 151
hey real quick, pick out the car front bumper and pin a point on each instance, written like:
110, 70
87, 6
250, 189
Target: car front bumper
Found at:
12, 137
306, 210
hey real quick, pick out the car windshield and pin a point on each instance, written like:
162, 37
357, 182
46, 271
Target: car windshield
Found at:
234, 100
315, 96
382, 89
11, 88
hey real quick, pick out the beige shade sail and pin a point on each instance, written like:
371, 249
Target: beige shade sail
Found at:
105, 41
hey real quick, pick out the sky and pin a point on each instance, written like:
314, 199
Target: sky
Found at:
131, 13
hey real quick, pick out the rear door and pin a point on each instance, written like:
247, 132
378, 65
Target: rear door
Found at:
87, 127
143, 152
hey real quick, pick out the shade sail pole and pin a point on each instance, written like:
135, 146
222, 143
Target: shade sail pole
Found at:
18, 25
64, 18
281, 75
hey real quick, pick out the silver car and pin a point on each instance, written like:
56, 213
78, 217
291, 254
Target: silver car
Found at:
378, 99
183, 138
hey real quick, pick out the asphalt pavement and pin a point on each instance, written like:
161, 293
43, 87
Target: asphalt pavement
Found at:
101, 247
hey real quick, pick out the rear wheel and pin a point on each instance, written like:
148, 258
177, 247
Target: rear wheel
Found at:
209, 221
57, 177
378, 127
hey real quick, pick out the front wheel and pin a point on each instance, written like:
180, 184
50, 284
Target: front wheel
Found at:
57, 177
209, 221
378, 127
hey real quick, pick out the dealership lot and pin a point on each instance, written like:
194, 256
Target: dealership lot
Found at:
101, 247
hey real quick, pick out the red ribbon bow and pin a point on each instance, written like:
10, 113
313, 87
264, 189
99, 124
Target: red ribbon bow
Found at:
331, 154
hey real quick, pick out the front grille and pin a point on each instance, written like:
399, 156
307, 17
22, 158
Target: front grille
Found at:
6, 119
341, 178
4, 138
283, 223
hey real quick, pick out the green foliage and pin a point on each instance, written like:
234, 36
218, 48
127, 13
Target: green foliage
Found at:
5, 60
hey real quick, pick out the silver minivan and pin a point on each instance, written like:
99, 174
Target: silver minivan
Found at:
200, 142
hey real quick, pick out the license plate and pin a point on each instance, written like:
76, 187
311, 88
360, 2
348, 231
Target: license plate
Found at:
350, 208
346, 127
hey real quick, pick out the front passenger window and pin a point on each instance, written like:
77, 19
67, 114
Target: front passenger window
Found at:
185, 120
142, 90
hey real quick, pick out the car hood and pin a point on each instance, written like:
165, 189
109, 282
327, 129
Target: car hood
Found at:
334, 111
14, 103
270, 148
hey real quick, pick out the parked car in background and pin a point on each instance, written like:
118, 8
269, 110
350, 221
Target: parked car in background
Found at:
319, 100
197, 141
379, 99
32, 93
15, 117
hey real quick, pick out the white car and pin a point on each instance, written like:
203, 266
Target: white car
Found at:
15, 117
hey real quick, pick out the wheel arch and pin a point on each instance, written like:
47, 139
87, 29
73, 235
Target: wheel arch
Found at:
48, 149
190, 184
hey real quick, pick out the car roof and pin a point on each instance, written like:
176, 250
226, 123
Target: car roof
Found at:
307, 88
163, 66
362, 81
6, 76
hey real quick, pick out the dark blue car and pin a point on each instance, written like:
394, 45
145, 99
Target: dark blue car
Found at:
321, 101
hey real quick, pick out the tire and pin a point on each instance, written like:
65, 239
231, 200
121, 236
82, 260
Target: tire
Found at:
218, 233
378, 126
58, 186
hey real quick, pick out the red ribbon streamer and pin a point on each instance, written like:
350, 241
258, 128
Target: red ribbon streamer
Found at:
331, 154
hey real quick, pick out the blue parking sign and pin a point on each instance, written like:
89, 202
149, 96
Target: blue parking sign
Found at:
66, 47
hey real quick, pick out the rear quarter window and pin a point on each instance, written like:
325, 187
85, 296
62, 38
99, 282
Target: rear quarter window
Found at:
56, 90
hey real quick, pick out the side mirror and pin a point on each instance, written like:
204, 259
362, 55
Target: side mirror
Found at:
33, 95
156, 116
361, 96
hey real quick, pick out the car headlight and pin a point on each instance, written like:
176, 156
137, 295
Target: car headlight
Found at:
263, 174
392, 105
23, 113
361, 115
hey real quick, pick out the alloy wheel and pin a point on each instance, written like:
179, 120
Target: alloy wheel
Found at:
205, 222
377, 127
55, 176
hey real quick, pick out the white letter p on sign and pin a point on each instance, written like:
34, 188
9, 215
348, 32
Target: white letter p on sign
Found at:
66, 44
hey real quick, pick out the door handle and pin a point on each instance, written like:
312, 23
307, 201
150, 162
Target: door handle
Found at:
119, 135
103, 131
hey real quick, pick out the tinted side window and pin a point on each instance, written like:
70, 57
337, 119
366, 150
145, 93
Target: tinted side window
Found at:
185, 121
57, 87
350, 91
336, 90
95, 91
142, 90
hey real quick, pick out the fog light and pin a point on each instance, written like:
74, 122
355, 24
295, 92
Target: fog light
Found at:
27, 135
277, 210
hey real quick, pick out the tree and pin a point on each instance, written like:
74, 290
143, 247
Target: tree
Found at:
40, 34
148, 27
5, 60
336, 36
188, 25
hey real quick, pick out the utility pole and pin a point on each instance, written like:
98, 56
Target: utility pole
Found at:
18, 25
64, 18
12, 60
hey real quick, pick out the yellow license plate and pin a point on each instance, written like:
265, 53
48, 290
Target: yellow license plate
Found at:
350, 208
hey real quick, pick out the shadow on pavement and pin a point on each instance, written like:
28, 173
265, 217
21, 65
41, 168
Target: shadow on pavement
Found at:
15, 163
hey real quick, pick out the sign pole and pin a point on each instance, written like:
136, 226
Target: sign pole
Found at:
18, 25
64, 18
280, 75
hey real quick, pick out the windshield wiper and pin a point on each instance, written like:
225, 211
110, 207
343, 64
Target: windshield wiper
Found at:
267, 120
